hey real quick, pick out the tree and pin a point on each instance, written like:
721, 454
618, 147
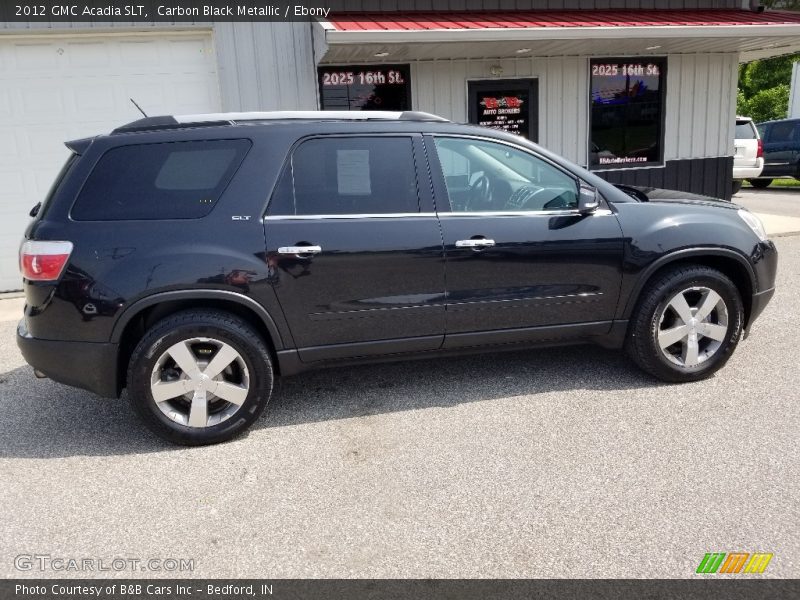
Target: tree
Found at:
763, 91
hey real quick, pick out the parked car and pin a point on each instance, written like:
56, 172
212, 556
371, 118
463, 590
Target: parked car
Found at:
229, 250
748, 157
781, 141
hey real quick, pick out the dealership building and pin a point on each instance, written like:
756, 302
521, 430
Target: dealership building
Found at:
641, 91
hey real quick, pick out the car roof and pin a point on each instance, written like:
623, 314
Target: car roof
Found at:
241, 118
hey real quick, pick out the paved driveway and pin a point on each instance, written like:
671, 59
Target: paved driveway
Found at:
556, 463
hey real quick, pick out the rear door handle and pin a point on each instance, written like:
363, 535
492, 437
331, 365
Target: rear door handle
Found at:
300, 250
480, 243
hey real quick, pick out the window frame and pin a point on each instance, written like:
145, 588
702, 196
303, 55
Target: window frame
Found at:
414, 139
663, 62
110, 149
440, 185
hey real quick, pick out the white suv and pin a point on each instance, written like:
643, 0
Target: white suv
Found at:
748, 158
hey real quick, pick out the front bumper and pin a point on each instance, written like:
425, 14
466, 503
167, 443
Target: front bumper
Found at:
86, 365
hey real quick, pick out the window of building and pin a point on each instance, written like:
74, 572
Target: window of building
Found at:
349, 175
365, 87
179, 180
627, 112
486, 176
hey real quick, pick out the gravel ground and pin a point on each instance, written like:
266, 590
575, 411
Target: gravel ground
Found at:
555, 463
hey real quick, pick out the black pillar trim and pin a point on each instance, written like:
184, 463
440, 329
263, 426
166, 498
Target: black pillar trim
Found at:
706, 176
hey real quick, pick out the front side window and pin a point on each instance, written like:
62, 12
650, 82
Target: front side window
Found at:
348, 175
176, 180
486, 176
627, 112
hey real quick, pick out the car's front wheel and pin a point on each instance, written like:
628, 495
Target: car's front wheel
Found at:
200, 377
687, 324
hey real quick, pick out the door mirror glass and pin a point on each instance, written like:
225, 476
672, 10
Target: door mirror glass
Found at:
588, 200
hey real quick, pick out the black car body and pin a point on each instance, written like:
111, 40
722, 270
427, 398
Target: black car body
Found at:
352, 279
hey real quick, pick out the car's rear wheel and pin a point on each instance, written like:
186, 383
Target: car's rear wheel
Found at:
200, 377
760, 183
737, 185
687, 324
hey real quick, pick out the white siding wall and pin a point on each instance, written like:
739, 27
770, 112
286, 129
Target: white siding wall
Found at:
701, 105
266, 66
701, 99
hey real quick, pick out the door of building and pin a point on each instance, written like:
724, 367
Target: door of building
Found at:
508, 104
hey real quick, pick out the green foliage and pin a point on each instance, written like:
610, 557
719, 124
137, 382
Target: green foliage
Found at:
763, 91
766, 105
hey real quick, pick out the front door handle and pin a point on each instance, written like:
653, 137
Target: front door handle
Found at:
479, 243
300, 250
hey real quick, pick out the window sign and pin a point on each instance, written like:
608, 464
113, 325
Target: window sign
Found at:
509, 105
366, 87
627, 112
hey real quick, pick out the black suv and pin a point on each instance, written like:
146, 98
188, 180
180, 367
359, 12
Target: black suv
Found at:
195, 259
781, 142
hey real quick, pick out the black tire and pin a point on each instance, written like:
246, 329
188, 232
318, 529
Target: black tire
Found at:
643, 331
221, 327
737, 185
760, 184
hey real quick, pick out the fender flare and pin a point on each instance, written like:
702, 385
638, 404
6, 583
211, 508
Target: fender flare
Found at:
196, 294
677, 255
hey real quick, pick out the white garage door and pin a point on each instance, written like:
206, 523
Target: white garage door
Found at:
54, 89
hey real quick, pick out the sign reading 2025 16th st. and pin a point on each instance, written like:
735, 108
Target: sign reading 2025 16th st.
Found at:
365, 87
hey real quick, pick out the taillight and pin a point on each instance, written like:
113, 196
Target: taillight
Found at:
43, 260
760, 151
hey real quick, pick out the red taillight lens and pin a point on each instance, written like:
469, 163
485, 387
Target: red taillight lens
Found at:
760, 151
43, 260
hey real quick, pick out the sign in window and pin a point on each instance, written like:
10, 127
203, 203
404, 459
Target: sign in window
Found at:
627, 112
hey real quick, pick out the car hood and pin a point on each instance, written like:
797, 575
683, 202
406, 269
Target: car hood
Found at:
651, 194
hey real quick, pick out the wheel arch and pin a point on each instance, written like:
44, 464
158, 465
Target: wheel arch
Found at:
729, 262
134, 322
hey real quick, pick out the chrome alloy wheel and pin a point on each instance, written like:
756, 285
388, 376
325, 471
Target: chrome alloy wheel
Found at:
692, 326
200, 382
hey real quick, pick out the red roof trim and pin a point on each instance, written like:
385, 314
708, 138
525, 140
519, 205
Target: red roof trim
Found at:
436, 20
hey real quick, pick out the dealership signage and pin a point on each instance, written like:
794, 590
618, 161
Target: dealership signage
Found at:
366, 87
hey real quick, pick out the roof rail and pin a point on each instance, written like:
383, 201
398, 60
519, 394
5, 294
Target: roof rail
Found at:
234, 118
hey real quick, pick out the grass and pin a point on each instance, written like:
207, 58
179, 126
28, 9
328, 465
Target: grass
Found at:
779, 183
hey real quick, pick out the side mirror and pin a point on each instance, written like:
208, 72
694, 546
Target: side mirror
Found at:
588, 200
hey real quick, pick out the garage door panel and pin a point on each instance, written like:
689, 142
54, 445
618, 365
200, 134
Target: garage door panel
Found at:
35, 57
57, 88
88, 56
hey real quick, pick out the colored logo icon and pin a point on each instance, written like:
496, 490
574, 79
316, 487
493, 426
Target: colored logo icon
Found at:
734, 562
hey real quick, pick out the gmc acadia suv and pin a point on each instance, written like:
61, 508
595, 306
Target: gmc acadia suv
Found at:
192, 260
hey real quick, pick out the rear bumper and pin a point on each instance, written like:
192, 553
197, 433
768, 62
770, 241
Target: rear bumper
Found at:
748, 172
86, 365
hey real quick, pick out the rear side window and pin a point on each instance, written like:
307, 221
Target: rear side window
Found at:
348, 175
177, 180
745, 130
782, 131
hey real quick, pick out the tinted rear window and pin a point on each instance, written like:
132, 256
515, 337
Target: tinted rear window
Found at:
178, 180
745, 130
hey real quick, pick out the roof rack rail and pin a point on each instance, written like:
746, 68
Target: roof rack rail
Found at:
233, 118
